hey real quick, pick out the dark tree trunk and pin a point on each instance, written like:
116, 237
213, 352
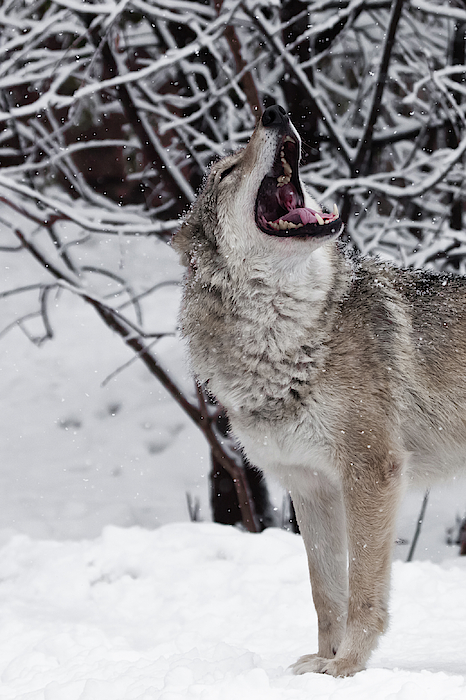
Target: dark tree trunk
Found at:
454, 130
223, 494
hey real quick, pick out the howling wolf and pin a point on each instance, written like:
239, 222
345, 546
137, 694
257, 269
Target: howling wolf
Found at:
342, 377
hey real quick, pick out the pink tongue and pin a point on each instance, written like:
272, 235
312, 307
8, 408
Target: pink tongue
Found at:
288, 199
300, 216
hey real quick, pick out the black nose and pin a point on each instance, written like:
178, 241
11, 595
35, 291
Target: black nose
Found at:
274, 115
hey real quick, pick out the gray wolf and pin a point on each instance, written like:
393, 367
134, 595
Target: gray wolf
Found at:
343, 377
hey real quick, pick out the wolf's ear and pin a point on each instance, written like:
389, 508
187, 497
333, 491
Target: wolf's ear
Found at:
182, 241
185, 239
198, 228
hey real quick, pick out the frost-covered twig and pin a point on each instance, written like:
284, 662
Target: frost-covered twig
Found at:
118, 223
411, 191
447, 11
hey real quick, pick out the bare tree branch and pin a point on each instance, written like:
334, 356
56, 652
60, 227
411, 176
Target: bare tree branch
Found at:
365, 142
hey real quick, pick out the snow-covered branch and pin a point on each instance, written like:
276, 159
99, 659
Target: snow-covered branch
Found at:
98, 221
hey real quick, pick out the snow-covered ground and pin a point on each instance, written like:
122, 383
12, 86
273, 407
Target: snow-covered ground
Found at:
105, 595
206, 612
77, 455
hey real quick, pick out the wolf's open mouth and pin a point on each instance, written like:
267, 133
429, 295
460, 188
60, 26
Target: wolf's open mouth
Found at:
280, 209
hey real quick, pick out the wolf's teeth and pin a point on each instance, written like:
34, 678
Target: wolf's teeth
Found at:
286, 225
281, 225
320, 220
288, 138
286, 166
335, 211
283, 180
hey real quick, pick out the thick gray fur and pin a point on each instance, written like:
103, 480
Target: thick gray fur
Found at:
345, 379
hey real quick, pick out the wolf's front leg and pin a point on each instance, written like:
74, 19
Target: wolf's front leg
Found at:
371, 496
322, 524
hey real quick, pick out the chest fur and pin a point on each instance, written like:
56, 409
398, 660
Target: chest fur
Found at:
258, 349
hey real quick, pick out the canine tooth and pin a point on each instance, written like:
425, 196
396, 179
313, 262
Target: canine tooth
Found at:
288, 138
287, 168
320, 220
335, 211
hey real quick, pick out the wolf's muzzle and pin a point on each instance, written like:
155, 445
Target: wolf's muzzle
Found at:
280, 203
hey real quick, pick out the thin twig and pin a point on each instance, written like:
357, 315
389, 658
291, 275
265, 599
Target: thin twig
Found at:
420, 520
366, 140
127, 364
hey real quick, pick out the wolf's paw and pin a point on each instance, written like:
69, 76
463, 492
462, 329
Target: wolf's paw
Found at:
311, 663
341, 668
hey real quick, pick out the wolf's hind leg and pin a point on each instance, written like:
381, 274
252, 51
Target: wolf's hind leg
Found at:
321, 520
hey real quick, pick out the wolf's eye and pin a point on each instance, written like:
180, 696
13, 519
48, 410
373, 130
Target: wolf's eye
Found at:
226, 172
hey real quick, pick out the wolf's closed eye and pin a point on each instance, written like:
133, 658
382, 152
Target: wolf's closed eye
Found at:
226, 172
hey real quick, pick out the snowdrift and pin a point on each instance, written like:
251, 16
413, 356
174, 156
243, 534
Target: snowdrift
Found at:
207, 612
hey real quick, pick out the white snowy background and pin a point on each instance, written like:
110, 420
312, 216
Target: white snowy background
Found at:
108, 592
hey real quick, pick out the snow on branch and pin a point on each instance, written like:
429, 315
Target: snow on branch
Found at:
162, 88
101, 222
439, 9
